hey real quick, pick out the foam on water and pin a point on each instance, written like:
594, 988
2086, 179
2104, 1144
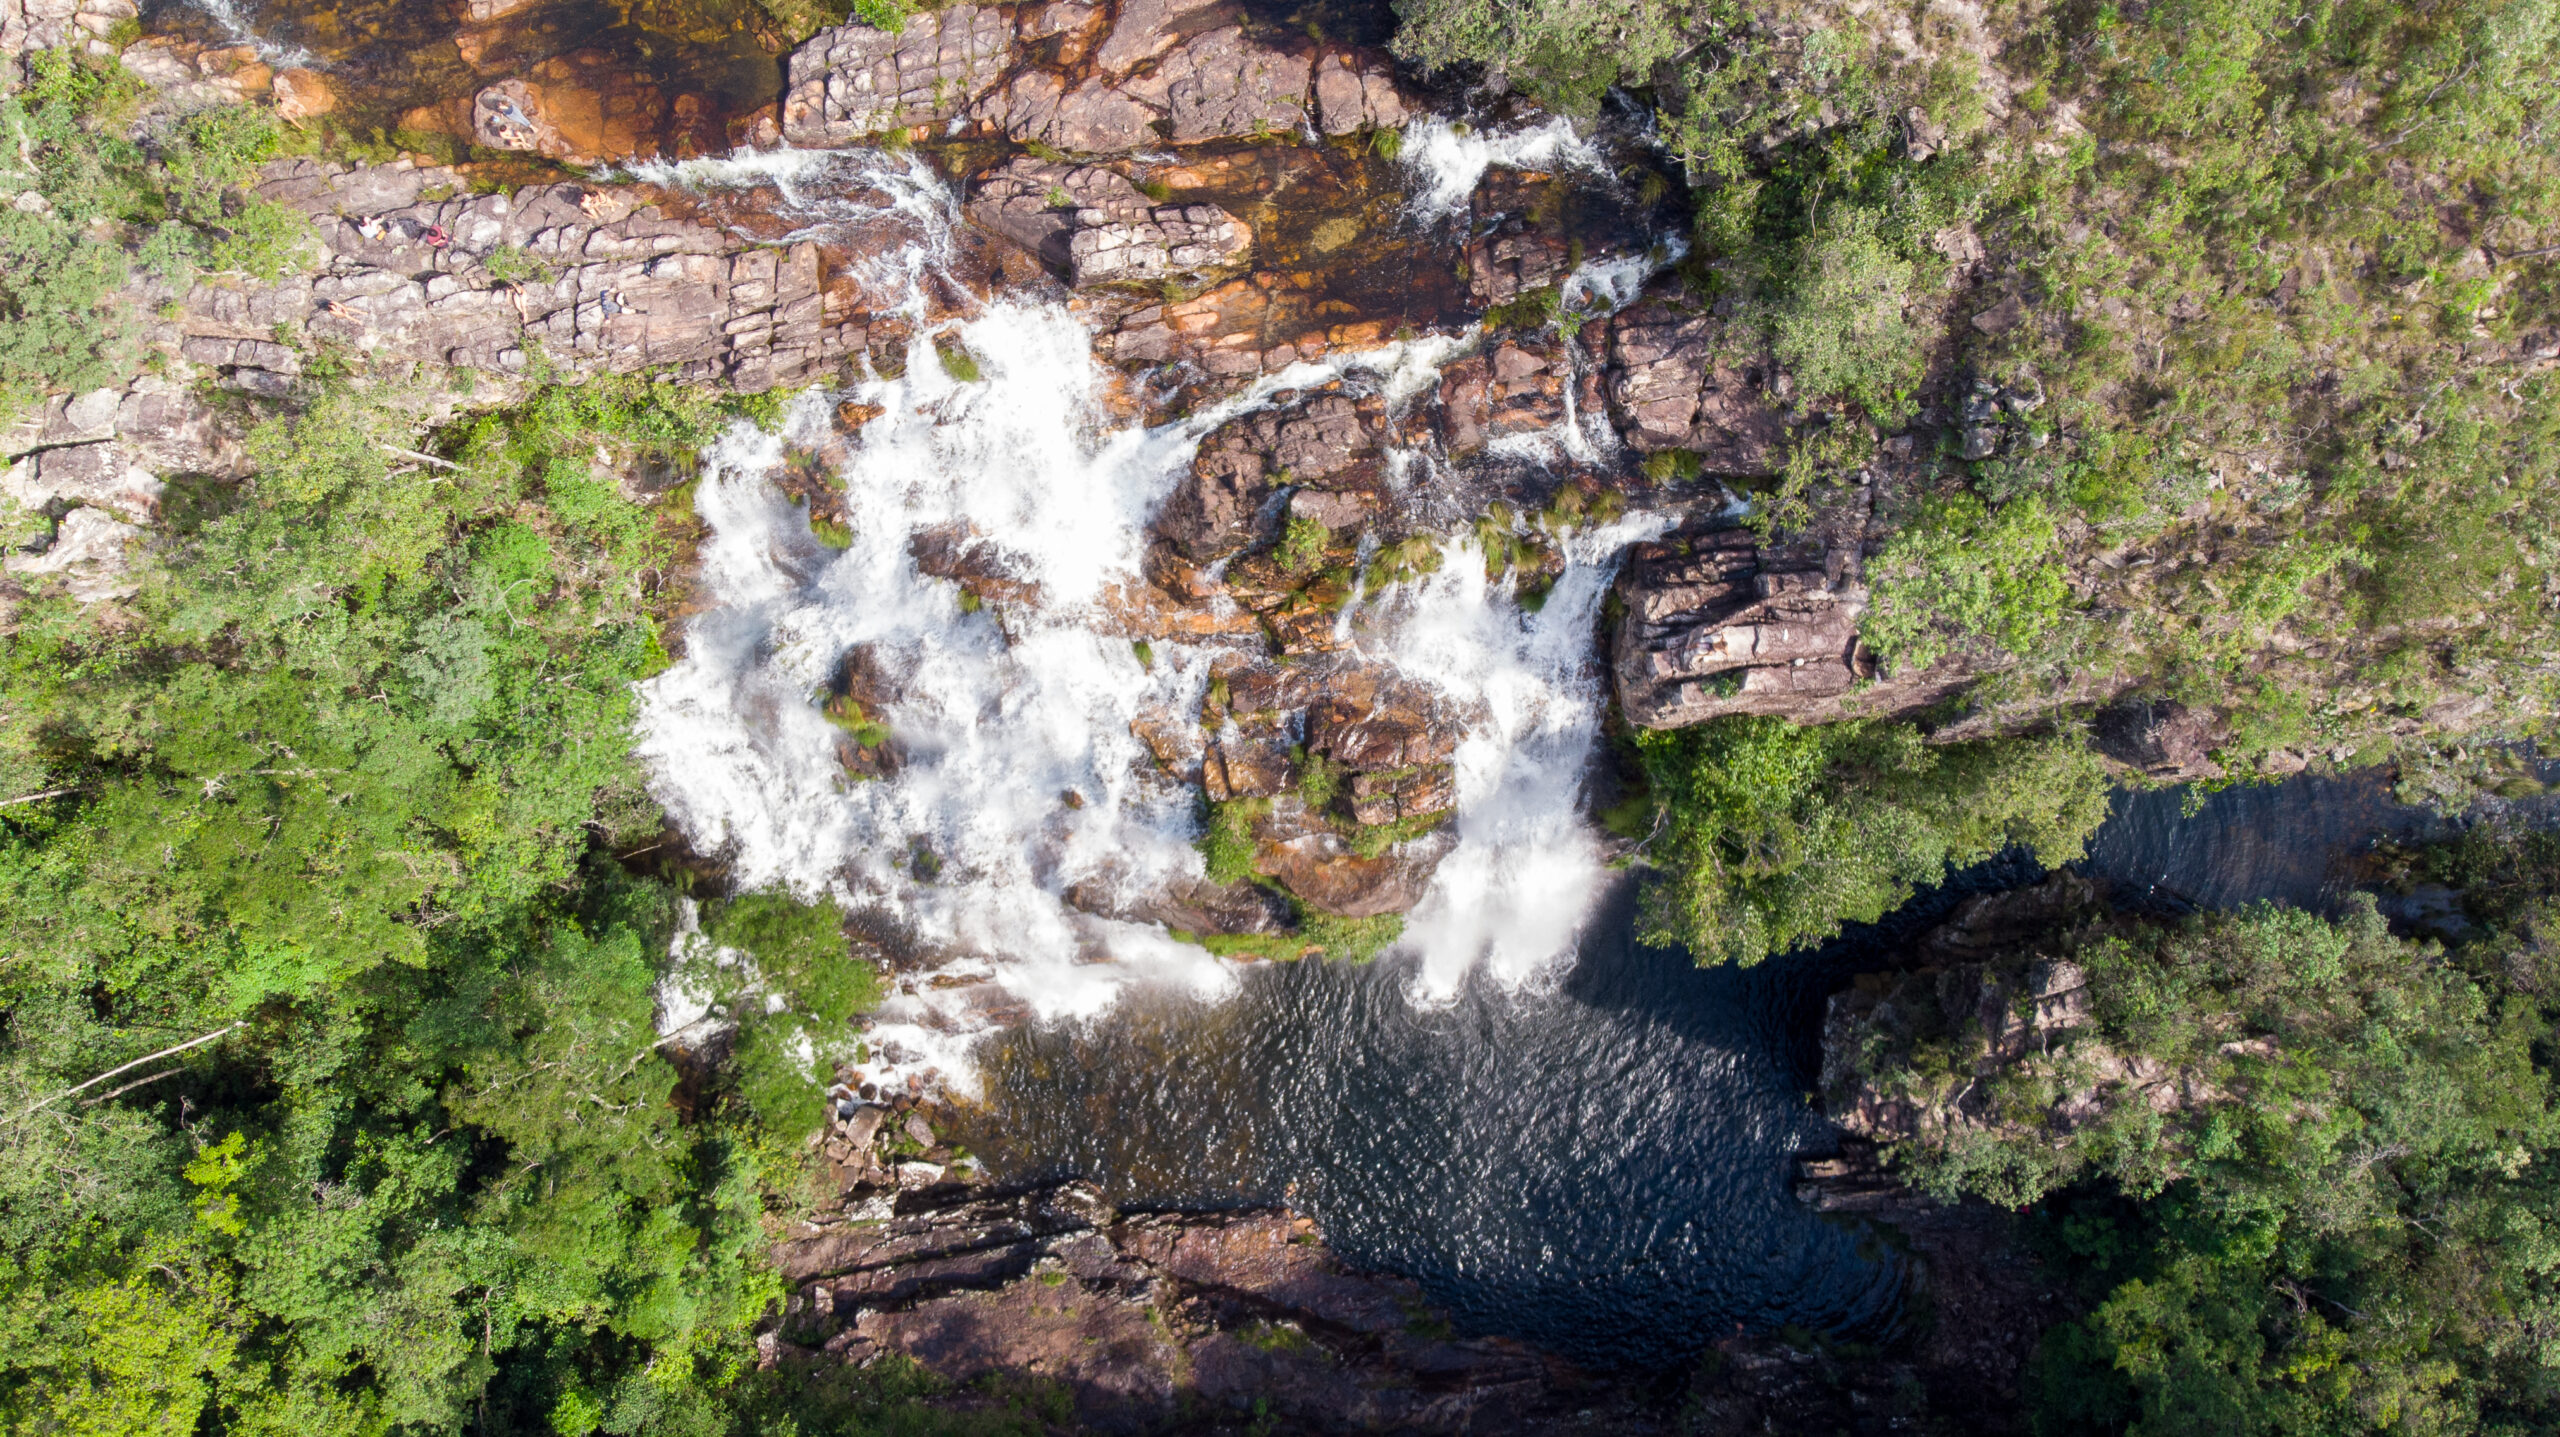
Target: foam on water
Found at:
1020, 775
1449, 159
787, 170
226, 14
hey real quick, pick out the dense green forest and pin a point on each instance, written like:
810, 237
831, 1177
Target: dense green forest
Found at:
334, 1102
2346, 1220
330, 1096
2268, 296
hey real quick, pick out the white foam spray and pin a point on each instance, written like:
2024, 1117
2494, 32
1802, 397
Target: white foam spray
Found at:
1520, 883
789, 171
226, 14
1021, 775
1449, 158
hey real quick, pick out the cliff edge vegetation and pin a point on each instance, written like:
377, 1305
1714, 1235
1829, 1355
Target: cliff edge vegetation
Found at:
2296, 1168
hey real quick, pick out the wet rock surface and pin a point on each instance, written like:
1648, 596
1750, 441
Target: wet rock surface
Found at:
1099, 228
1149, 1322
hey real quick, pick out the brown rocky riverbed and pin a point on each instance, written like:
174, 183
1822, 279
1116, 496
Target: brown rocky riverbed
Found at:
1183, 1322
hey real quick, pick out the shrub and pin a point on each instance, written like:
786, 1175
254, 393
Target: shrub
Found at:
1302, 545
1567, 53
1226, 839
1963, 571
1770, 836
1839, 325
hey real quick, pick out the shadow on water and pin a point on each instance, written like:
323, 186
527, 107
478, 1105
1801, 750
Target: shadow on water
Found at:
1602, 1167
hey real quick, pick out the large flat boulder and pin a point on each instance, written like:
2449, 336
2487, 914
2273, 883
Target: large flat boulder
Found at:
855, 80
1679, 380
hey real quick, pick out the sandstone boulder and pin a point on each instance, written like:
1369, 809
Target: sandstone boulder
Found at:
302, 94
1223, 504
1517, 389
1093, 117
92, 552
1512, 261
1326, 872
1356, 93
1219, 85
854, 80
1142, 30
1094, 223
1673, 384
1713, 627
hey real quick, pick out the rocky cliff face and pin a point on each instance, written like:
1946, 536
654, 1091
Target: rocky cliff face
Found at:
1084, 77
2002, 1016
1199, 194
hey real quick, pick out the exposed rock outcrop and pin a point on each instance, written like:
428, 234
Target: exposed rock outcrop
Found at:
1325, 441
1096, 225
45, 24
2005, 1003
1677, 382
1517, 388
600, 285
1141, 1318
1714, 626
2162, 739
1166, 71
855, 80
1356, 92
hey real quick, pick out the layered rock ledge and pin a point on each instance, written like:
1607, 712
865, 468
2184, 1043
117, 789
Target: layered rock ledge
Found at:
1083, 77
1148, 1321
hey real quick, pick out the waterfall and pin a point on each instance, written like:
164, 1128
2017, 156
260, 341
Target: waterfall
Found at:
1018, 773
1515, 891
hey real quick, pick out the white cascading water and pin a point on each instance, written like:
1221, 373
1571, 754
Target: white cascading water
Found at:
226, 14
1449, 158
1021, 777
1513, 894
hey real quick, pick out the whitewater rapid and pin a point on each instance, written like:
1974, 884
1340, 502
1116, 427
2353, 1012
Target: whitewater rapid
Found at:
1020, 773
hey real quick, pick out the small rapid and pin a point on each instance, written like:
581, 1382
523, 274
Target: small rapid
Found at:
1449, 158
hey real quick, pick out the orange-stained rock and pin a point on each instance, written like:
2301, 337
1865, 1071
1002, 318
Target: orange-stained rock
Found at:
1322, 870
583, 109
300, 94
1144, 611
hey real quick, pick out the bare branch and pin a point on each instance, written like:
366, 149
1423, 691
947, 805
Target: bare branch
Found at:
31, 1110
